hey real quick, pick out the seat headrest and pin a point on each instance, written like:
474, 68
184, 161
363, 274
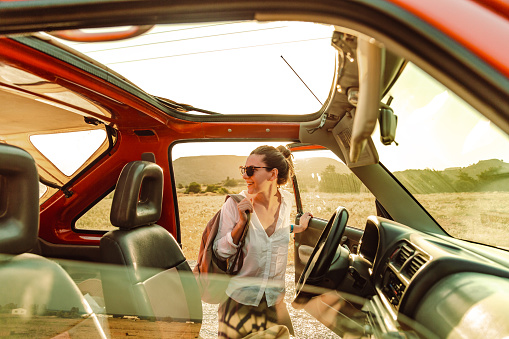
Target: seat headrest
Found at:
19, 200
138, 196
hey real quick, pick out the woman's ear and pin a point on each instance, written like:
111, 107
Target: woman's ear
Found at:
274, 174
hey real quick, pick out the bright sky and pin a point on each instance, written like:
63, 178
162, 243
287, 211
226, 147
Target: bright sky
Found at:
436, 129
238, 68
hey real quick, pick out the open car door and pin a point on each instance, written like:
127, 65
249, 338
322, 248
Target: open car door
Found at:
319, 174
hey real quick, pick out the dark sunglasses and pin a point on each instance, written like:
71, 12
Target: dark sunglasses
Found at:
249, 170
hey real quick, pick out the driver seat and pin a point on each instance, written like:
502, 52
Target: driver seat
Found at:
151, 278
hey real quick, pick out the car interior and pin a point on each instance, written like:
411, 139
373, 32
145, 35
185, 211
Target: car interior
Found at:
28, 277
96, 209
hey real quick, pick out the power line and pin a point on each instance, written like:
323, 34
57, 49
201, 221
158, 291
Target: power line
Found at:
213, 51
177, 40
175, 30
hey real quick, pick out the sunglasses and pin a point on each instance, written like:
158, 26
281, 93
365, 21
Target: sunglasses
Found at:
249, 170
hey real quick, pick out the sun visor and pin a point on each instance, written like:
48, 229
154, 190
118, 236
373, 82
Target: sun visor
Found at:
370, 61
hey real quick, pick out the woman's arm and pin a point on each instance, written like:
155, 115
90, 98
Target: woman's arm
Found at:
230, 230
303, 223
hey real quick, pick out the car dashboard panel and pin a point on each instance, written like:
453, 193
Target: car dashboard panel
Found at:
418, 276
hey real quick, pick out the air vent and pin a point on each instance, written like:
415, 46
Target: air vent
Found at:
417, 262
404, 253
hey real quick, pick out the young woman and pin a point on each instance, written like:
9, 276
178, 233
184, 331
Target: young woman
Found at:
256, 293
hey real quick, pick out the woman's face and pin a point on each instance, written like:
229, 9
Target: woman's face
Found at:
262, 178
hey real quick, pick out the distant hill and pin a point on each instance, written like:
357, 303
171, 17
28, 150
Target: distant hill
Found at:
216, 168
211, 169
486, 175
485, 165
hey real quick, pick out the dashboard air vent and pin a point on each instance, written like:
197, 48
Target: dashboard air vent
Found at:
417, 262
404, 253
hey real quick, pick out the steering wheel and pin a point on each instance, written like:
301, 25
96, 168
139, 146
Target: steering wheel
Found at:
323, 253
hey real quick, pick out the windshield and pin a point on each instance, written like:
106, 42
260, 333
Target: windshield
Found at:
452, 159
229, 67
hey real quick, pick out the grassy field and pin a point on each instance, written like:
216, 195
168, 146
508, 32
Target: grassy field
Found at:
481, 217
196, 211
478, 216
55, 327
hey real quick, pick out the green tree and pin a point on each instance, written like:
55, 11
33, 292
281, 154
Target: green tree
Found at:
332, 182
329, 180
222, 190
465, 182
230, 182
194, 187
212, 188
488, 174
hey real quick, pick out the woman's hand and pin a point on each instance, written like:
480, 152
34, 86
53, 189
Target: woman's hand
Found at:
303, 222
244, 206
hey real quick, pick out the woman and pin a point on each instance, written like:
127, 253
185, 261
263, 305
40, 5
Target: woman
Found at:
256, 303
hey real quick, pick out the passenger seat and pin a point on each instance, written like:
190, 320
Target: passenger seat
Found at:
150, 278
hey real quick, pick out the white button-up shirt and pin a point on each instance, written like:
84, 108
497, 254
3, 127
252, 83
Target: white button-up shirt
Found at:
265, 257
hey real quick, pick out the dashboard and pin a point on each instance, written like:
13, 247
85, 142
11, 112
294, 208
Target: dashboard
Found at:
433, 286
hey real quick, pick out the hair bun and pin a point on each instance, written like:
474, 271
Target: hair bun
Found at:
285, 151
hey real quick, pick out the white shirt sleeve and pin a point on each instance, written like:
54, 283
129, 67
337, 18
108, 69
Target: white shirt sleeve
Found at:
224, 246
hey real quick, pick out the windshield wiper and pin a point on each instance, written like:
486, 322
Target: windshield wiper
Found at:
184, 107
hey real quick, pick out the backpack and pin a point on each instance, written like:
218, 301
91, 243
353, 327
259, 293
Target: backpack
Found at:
212, 273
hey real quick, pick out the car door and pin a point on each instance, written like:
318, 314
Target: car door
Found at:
321, 184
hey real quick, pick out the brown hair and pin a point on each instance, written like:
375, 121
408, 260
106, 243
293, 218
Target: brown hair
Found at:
280, 158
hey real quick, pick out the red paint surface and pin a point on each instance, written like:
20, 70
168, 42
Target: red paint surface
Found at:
482, 29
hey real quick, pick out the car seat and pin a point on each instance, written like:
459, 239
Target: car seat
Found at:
154, 280
33, 286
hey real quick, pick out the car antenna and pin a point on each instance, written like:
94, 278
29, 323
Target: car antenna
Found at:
301, 80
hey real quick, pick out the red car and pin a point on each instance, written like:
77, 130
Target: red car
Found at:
123, 125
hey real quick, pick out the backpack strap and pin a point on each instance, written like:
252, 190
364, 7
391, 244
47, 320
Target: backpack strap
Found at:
237, 197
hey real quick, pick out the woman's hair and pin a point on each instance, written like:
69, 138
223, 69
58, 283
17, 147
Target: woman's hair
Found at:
280, 158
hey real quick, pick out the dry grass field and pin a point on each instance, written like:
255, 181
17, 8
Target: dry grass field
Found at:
481, 217
55, 327
196, 210
478, 216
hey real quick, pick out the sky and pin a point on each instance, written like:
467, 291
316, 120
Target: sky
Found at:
228, 67
239, 68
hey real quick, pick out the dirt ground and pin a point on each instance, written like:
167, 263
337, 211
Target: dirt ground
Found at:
60, 328
305, 326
